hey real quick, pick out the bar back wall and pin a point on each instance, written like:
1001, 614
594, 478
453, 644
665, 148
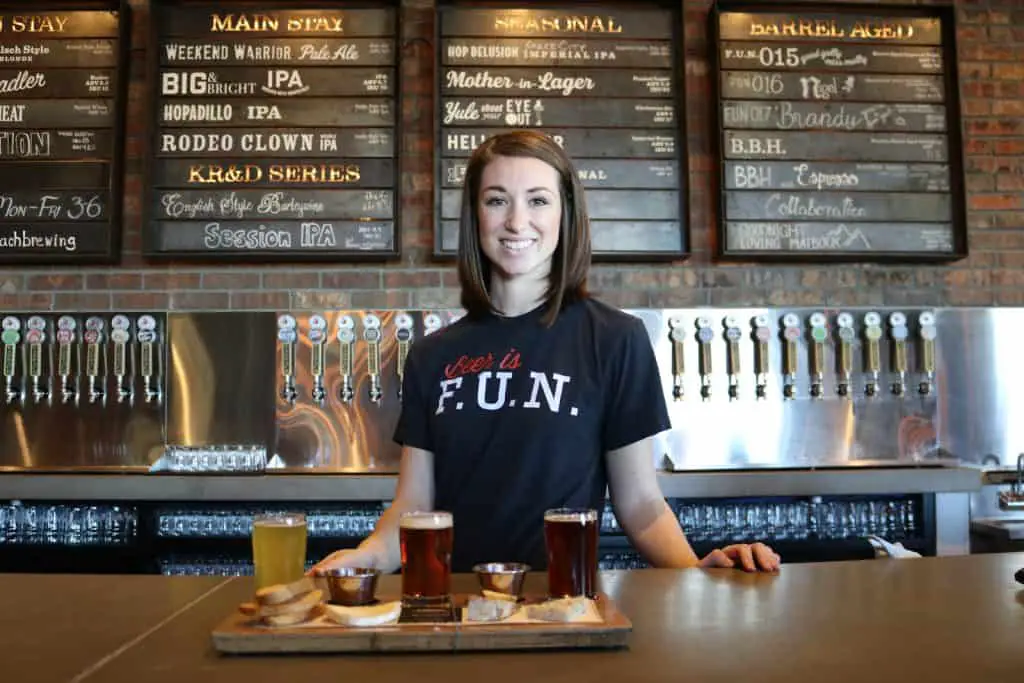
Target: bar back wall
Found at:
991, 67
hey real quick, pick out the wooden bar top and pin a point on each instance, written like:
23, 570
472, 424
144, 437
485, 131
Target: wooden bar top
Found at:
929, 620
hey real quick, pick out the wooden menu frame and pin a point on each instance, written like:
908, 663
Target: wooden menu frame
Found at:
957, 247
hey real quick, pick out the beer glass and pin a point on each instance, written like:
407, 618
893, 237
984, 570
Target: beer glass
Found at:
426, 542
278, 548
570, 535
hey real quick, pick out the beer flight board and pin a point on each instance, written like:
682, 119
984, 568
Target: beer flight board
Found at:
62, 103
274, 132
605, 82
839, 133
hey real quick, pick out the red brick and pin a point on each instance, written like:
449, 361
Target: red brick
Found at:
54, 282
351, 279
381, 298
995, 202
1011, 71
170, 281
113, 281
231, 279
139, 301
411, 279
291, 279
206, 301
260, 301
321, 300
435, 298
1006, 126
81, 301
1008, 107
26, 301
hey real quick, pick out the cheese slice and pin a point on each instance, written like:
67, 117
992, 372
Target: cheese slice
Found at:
365, 615
562, 609
486, 609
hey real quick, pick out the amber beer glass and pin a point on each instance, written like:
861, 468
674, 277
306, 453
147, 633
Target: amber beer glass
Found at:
571, 538
426, 541
278, 548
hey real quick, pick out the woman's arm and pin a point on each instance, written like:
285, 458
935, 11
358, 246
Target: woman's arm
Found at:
649, 523
415, 491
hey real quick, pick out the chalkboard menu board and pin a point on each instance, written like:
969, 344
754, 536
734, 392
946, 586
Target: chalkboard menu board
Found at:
839, 133
275, 132
604, 81
62, 100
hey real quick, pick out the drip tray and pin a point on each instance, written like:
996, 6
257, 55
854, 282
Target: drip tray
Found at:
1011, 529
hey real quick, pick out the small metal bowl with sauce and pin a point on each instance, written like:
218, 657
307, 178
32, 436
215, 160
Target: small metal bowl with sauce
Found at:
502, 577
349, 586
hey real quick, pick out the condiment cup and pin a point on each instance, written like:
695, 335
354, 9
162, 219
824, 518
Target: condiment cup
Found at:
502, 577
349, 586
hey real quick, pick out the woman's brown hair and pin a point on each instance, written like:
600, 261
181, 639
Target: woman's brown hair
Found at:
570, 262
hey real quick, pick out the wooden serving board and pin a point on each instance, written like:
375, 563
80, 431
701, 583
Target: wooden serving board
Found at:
241, 634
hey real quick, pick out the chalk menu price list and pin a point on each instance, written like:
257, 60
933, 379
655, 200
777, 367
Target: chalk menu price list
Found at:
61, 111
275, 132
604, 82
839, 130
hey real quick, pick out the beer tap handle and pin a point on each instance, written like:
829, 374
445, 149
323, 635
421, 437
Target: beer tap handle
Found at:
123, 358
928, 333
872, 352
65, 337
790, 339
372, 337
733, 366
317, 335
844, 353
762, 335
287, 335
677, 335
705, 334
11, 336
819, 336
149, 362
95, 359
899, 334
403, 338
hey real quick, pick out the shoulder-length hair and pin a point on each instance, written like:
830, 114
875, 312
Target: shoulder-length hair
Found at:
570, 262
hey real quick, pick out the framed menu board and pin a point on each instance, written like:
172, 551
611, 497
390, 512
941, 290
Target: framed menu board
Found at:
839, 132
605, 81
275, 131
63, 89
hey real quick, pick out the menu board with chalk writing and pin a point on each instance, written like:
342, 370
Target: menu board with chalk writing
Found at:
63, 75
839, 133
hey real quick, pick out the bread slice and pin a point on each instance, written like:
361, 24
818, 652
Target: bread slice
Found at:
487, 609
366, 615
301, 604
562, 609
278, 593
291, 619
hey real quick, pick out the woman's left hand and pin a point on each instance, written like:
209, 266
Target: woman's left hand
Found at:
748, 557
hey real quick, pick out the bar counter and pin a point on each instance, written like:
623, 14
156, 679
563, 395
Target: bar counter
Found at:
931, 619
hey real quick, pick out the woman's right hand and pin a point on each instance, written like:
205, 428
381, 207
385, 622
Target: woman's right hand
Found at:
359, 558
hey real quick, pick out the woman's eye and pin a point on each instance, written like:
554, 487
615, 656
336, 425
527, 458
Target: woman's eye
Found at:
494, 201
538, 201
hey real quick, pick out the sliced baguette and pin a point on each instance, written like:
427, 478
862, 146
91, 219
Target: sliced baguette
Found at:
278, 593
299, 605
367, 615
292, 619
495, 595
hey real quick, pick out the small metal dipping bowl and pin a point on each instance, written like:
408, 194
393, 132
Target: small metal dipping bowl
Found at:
502, 577
349, 586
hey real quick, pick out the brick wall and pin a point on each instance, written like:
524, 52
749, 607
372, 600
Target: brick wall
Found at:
992, 78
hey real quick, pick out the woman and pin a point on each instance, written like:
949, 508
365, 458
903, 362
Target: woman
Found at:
540, 396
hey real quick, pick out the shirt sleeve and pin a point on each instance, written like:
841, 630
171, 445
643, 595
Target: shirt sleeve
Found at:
635, 398
413, 428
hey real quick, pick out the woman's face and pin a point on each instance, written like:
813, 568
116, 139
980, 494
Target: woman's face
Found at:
519, 210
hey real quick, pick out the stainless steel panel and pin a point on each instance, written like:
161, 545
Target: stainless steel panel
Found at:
53, 435
220, 386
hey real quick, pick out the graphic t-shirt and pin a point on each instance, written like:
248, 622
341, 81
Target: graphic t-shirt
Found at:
519, 417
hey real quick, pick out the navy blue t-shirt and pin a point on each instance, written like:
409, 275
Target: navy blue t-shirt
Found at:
519, 417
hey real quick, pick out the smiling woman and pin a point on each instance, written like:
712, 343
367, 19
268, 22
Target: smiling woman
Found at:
540, 397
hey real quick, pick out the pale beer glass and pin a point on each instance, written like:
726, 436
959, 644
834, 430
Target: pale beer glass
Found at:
278, 548
426, 541
570, 535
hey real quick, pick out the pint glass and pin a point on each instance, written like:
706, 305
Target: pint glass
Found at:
426, 542
278, 548
571, 538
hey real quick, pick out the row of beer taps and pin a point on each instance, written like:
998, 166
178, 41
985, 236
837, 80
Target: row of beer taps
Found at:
818, 332
347, 332
119, 346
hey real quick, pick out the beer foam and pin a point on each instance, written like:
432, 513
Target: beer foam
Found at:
279, 523
427, 520
569, 516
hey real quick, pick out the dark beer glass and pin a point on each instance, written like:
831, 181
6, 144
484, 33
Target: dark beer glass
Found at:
426, 541
571, 538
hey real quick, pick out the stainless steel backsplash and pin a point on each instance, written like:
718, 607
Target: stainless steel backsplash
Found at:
225, 384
